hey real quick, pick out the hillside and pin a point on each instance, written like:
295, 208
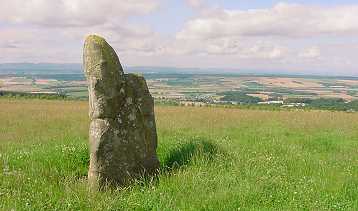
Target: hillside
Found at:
211, 159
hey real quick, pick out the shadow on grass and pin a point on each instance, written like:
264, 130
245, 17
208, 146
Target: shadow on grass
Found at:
184, 155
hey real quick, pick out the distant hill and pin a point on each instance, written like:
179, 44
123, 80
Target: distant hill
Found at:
76, 68
39, 68
73, 68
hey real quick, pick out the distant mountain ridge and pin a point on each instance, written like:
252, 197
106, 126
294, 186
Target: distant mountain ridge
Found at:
76, 68
38, 68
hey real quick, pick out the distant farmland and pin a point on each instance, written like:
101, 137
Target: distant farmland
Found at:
197, 87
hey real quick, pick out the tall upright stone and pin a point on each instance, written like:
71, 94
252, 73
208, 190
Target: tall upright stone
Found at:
123, 138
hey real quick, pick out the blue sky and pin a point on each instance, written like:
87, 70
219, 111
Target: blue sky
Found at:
295, 36
171, 15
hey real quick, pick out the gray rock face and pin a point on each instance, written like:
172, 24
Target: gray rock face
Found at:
123, 138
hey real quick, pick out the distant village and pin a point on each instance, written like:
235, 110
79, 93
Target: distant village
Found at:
200, 101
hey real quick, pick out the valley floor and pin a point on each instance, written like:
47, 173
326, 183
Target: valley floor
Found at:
211, 159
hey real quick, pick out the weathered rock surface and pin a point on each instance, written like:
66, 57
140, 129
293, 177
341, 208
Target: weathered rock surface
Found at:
123, 138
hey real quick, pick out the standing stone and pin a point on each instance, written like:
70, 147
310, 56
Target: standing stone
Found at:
123, 138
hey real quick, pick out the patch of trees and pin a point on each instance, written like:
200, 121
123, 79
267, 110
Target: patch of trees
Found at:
46, 96
240, 97
326, 103
166, 102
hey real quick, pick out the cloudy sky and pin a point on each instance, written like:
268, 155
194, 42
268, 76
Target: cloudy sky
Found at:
298, 36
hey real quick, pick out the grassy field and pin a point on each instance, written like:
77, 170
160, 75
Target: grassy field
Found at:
211, 159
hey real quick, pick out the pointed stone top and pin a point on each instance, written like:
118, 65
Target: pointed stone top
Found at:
97, 54
95, 38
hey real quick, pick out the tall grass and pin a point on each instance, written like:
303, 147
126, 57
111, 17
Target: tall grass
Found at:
211, 159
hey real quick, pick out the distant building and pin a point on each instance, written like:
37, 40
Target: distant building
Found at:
192, 103
291, 105
271, 102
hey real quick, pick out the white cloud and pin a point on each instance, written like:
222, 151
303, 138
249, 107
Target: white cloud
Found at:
311, 53
8, 45
195, 3
283, 20
267, 52
57, 27
286, 36
54, 13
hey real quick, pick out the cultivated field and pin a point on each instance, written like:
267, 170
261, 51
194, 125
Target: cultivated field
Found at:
212, 159
194, 87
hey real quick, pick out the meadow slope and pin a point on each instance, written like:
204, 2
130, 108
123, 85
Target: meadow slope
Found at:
211, 159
